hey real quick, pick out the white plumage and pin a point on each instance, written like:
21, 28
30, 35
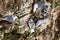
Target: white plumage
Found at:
41, 5
31, 25
45, 6
10, 18
39, 22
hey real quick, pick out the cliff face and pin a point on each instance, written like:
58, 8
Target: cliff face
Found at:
31, 20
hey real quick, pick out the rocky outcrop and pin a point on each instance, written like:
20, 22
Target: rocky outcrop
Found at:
29, 20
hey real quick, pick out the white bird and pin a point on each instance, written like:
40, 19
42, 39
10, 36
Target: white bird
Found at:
10, 18
40, 5
42, 21
31, 25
